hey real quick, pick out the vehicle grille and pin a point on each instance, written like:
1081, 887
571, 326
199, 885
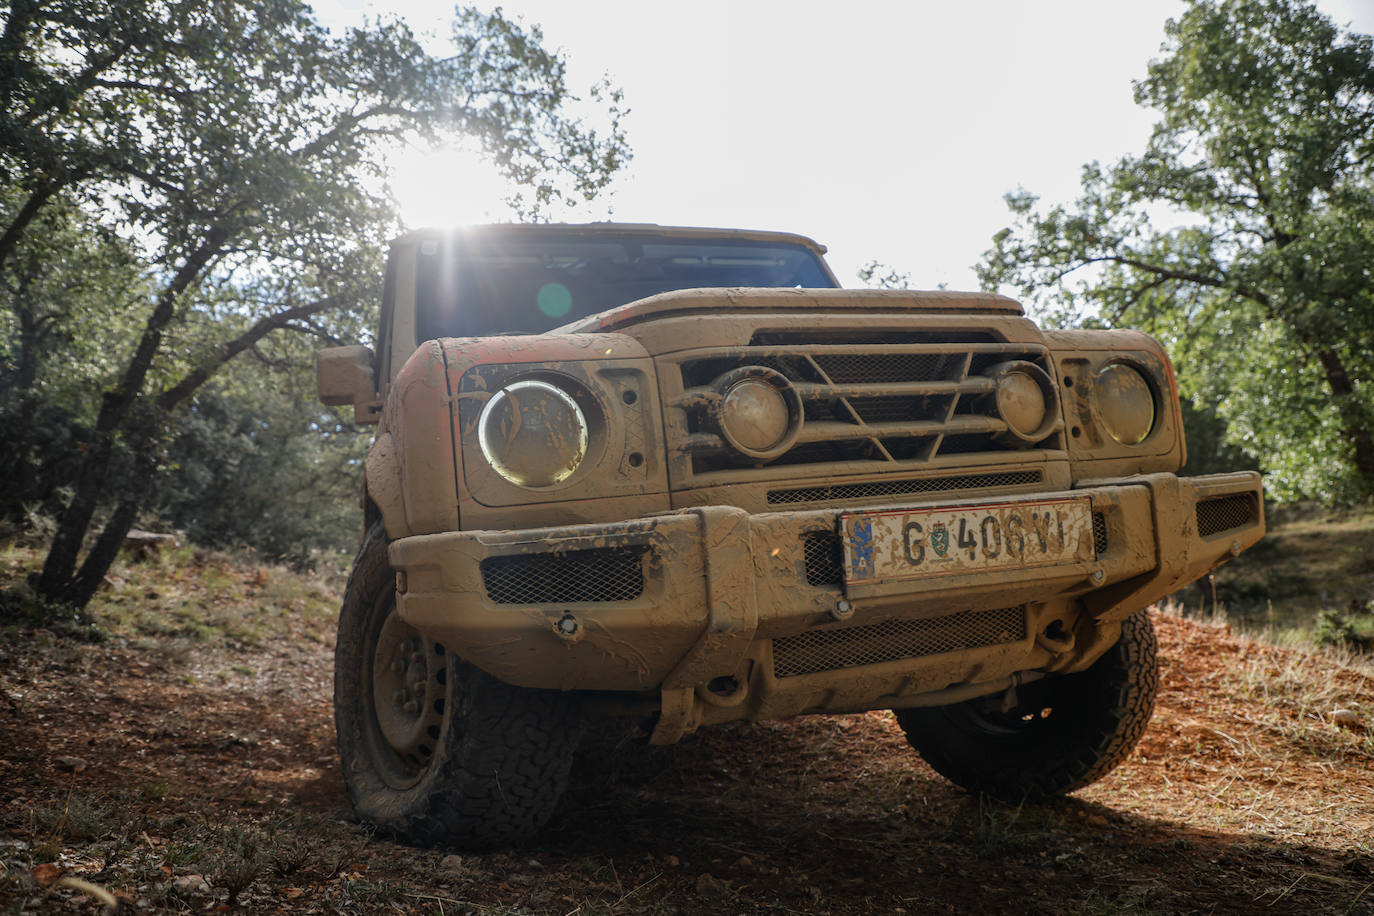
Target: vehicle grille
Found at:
1224, 513
605, 574
866, 405
852, 647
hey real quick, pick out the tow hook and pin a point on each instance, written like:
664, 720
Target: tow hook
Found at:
567, 628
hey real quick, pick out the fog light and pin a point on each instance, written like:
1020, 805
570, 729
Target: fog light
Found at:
533, 433
1125, 403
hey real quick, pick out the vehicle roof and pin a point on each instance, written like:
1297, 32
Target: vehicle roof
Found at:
609, 228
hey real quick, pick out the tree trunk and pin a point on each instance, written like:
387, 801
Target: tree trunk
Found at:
1354, 420
102, 554
56, 582
25, 473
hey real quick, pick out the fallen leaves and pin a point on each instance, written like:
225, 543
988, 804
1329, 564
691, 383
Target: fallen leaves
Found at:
46, 874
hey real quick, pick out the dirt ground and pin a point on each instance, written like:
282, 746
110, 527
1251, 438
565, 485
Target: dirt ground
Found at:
200, 779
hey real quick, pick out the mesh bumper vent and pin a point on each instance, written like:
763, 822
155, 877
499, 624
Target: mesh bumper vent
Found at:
610, 574
851, 647
1224, 513
824, 558
1099, 533
877, 488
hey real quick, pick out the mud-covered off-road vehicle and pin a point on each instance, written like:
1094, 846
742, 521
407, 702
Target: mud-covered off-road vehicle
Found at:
678, 475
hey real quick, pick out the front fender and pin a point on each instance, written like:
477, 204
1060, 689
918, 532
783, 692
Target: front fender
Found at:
382, 485
410, 471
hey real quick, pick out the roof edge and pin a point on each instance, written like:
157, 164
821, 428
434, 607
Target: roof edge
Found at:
645, 229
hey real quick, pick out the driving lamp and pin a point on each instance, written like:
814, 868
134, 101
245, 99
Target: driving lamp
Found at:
1025, 401
1125, 403
533, 433
758, 412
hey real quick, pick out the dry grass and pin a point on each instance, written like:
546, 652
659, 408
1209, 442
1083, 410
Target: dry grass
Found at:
1312, 560
1245, 737
211, 774
176, 598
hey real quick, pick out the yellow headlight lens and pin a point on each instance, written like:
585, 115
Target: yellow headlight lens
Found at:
759, 413
533, 433
1125, 404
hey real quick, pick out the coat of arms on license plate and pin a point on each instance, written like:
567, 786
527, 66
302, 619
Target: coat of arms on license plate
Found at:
939, 539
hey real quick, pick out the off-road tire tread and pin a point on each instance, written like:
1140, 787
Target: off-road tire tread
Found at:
1128, 677
494, 781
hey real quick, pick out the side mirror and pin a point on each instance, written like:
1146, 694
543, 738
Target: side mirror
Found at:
345, 376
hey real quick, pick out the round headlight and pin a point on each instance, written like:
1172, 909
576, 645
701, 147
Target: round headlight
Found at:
1025, 400
1125, 403
759, 412
533, 433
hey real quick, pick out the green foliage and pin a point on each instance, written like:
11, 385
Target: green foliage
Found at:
1209, 452
187, 182
1338, 630
882, 276
257, 461
878, 275
70, 294
1241, 237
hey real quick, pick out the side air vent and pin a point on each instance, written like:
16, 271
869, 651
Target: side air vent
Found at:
851, 647
610, 574
1225, 513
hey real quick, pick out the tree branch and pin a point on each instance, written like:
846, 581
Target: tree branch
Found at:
15, 230
190, 382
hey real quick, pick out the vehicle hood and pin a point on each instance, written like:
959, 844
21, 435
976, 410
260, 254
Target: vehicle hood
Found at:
723, 302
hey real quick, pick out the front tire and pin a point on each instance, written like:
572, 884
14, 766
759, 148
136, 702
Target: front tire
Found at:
435, 750
1063, 733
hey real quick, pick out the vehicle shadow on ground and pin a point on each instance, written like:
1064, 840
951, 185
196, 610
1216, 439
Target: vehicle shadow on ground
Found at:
837, 813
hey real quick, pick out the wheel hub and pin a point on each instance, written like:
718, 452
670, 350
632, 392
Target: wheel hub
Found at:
408, 690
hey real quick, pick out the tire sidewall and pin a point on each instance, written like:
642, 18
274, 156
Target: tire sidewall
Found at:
375, 799
503, 755
1097, 717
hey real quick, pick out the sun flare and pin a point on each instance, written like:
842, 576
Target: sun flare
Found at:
448, 187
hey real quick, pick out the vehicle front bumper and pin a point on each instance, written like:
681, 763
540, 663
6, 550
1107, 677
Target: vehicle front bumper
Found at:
693, 602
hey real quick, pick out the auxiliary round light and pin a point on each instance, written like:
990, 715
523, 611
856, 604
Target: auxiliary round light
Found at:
1025, 400
1125, 403
758, 412
533, 433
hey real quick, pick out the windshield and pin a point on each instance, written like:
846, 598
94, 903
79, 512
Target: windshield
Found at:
482, 284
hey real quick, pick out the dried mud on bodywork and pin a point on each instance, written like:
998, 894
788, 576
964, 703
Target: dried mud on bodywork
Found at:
681, 472
172, 780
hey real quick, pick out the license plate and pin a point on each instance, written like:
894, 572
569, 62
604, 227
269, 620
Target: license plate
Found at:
918, 543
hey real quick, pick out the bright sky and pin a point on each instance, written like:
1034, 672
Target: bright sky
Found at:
884, 130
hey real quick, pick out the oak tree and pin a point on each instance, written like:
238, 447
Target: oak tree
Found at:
1243, 234
240, 148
